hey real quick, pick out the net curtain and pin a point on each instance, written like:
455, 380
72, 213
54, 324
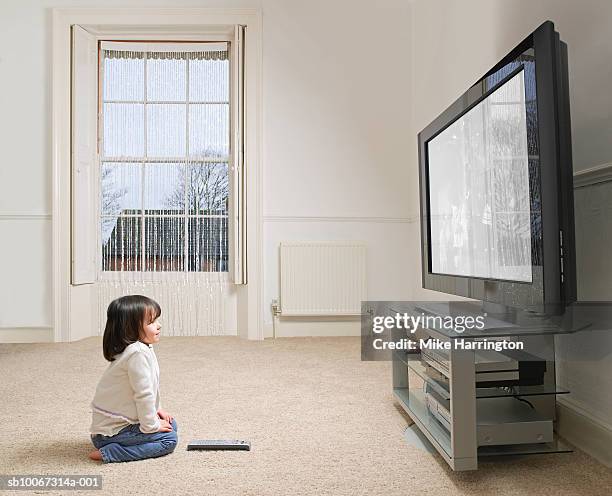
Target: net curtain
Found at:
164, 160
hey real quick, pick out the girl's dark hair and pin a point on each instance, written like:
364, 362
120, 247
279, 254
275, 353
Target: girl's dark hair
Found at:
124, 319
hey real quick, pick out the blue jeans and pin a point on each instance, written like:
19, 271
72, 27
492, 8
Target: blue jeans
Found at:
130, 444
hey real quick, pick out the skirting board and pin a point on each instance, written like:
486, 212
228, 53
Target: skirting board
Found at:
584, 432
26, 335
310, 327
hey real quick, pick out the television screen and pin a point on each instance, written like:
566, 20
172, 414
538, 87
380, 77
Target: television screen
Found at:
496, 184
479, 198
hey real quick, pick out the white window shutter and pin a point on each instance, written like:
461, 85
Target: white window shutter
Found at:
84, 100
237, 197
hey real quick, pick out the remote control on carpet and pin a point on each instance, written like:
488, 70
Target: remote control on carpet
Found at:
219, 444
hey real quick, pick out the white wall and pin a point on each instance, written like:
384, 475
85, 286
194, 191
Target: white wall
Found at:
586, 366
455, 43
25, 260
336, 78
336, 120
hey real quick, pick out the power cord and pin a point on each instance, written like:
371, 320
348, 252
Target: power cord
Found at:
512, 390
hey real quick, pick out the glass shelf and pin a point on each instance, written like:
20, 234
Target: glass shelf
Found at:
518, 391
440, 384
556, 446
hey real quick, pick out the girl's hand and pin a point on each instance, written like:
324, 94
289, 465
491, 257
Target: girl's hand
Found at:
164, 415
164, 426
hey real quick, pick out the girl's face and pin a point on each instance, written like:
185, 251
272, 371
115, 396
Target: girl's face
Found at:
149, 334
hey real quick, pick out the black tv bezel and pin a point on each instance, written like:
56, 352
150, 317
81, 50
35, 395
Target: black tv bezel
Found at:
553, 283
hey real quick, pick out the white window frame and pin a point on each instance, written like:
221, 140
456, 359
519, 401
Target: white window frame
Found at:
73, 304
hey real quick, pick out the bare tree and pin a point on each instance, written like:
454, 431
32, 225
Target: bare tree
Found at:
111, 201
207, 189
207, 195
111, 196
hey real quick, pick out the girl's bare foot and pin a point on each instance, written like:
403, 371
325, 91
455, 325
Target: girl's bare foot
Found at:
95, 455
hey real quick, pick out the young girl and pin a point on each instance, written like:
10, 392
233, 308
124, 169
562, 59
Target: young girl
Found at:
127, 420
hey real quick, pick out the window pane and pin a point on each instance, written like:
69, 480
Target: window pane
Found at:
208, 188
209, 80
121, 243
156, 132
166, 79
123, 130
164, 189
208, 247
124, 78
166, 130
164, 244
120, 188
209, 130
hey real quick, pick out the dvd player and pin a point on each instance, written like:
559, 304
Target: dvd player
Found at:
499, 421
492, 369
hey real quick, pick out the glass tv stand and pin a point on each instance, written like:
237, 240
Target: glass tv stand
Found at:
474, 403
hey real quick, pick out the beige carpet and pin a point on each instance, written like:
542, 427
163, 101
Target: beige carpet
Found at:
320, 422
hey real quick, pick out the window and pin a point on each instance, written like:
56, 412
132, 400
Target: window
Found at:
79, 282
164, 157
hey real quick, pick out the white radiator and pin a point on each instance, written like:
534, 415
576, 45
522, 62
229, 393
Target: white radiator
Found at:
322, 278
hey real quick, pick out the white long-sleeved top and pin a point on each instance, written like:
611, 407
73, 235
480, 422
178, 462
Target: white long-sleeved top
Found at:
128, 392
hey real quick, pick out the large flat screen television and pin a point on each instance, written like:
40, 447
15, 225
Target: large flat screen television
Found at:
496, 184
